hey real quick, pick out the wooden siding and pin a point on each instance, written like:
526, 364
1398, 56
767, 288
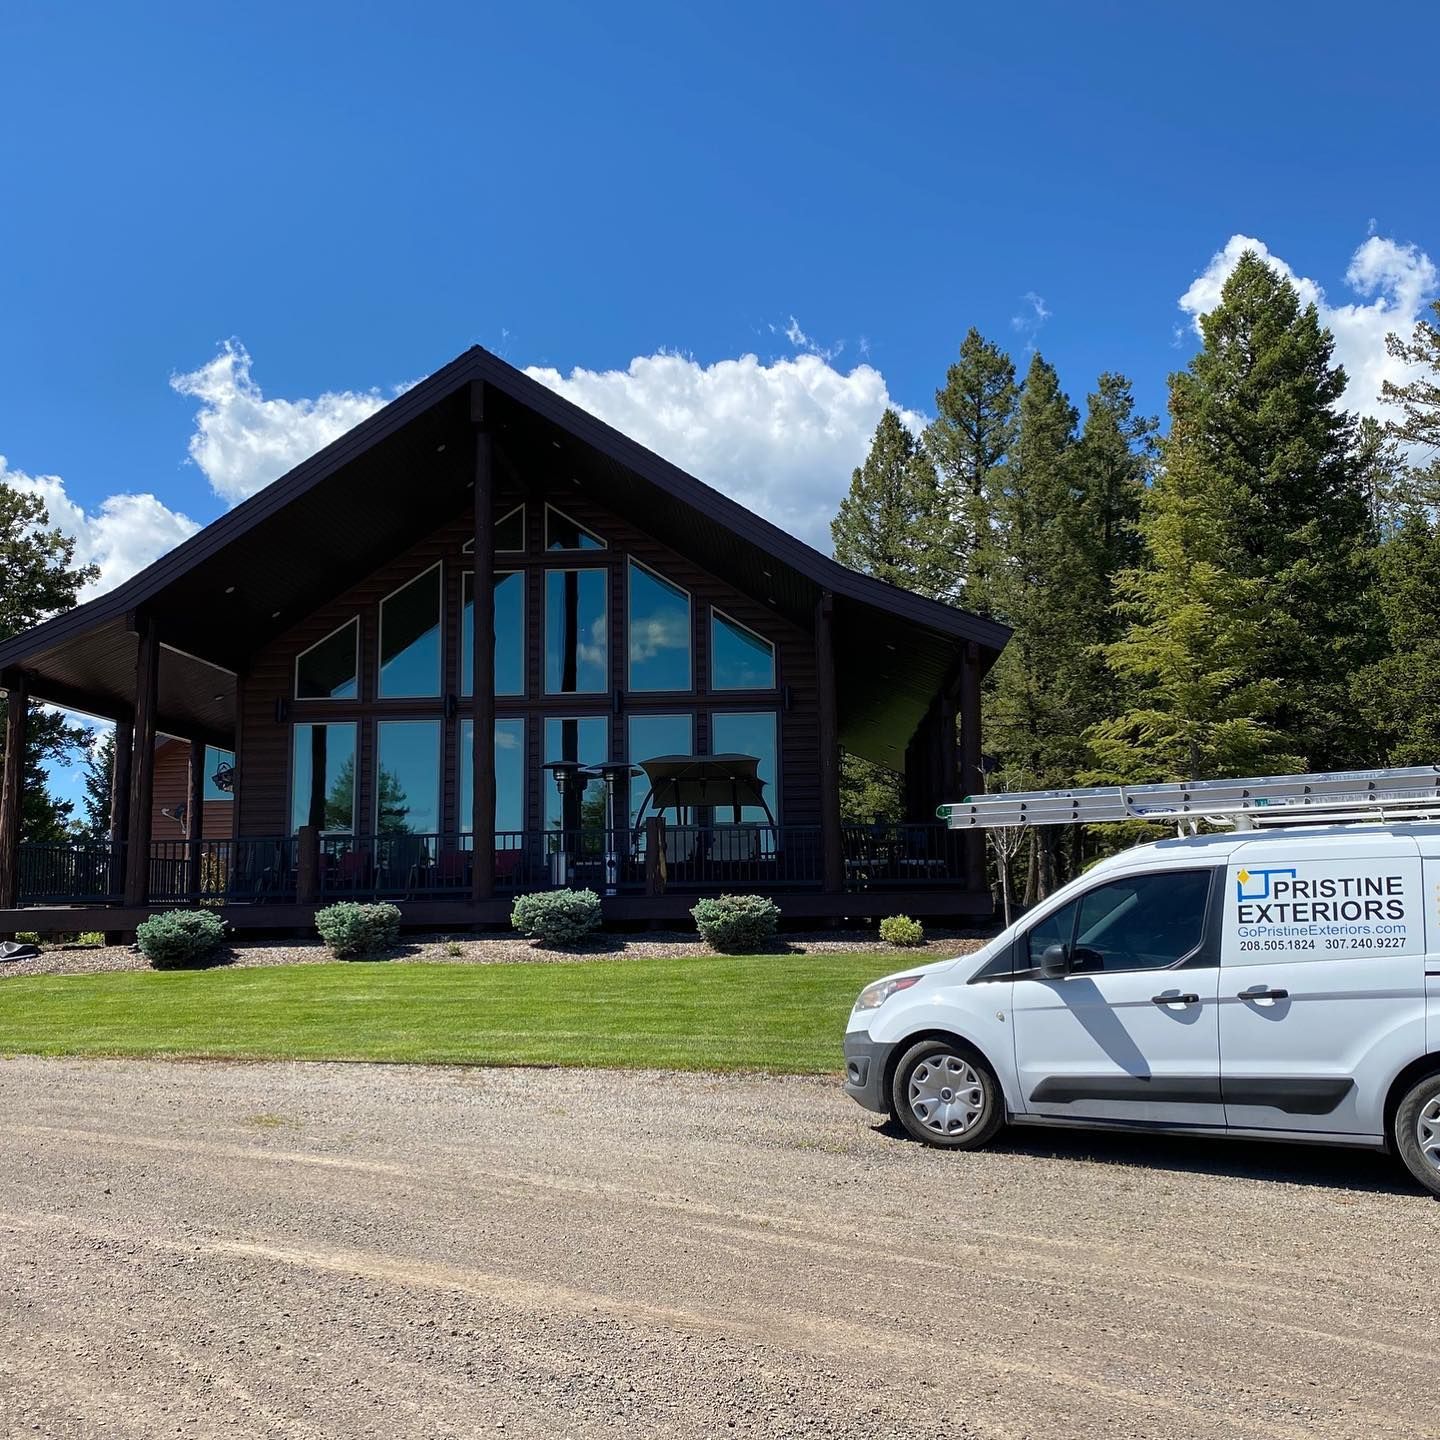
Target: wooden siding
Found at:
267, 687
171, 788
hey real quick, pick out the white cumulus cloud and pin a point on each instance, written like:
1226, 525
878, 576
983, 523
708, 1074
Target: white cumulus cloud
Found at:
1394, 282
122, 536
243, 440
780, 438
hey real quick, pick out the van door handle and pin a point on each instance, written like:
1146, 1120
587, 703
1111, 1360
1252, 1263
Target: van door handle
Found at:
1190, 998
1263, 995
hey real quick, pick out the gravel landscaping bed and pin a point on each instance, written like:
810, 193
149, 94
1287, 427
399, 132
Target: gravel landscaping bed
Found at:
507, 950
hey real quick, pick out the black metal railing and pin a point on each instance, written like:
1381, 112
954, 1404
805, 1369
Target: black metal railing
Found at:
71, 872
888, 857
652, 859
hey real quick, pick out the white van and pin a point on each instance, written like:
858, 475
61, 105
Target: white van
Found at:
1268, 983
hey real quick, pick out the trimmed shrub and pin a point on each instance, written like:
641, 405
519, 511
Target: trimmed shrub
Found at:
556, 917
353, 931
901, 930
179, 938
736, 922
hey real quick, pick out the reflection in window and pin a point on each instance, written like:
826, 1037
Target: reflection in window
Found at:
587, 741
329, 670
322, 784
749, 734
739, 658
575, 631
563, 533
652, 736
1143, 922
509, 775
410, 638
407, 783
509, 633
659, 632
214, 759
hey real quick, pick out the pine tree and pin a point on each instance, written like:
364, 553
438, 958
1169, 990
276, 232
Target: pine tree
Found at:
40, 578
969, 440
1399, 695
1254, 608
95, 796
888, 523
1418, 425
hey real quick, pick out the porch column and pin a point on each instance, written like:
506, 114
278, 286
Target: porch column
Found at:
195, 817
17, 704
972, 781
120, 804
142, 769
831, 843
482, 700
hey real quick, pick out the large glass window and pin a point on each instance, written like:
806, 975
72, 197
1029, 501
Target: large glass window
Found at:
563, 533
214, 759
329, 670
322, 785
658, 632
410, 638
652, 736
586, 741
739, 658
509, 633
509, 775
407, 785
749, 734
576, 619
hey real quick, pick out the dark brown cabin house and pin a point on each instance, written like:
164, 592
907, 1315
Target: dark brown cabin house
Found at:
667, 682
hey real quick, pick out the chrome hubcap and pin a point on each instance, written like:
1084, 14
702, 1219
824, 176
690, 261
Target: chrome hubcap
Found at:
947, 1096
1427, 1132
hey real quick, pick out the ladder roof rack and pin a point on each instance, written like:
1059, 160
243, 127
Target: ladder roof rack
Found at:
1341, 796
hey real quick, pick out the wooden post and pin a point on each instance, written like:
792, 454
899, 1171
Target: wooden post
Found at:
831, 846
972, 781
17, 704
195, 820
655, 876
120, 805
307, 864
142, 768
482, 699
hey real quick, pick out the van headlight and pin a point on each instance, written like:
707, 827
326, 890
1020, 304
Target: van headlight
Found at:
872, 997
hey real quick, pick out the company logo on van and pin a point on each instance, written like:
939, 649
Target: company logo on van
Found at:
1255, 884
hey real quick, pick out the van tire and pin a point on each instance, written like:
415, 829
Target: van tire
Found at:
945, 1095
1416, 1131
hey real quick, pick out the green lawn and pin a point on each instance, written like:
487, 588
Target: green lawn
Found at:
771, 1012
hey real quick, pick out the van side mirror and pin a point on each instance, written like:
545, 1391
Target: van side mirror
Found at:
1055, 961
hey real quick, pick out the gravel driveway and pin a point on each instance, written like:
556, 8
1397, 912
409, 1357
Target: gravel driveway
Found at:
334, 1251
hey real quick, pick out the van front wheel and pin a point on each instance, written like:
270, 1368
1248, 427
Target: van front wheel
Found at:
1417, 1132
946, 1095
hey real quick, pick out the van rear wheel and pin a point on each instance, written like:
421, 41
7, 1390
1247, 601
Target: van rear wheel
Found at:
944, 1094
1417, 1132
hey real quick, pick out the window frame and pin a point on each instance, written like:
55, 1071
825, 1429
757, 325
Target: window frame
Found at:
463, 753
295, 726
439, 725
717, 613
1204, 954
327, 699
776, 795
468, 548
380, 605
547, 549
630, 717
547, 571
547, 778
689, 687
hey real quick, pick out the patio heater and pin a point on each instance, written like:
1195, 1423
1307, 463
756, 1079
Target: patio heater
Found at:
617, 836
570, 777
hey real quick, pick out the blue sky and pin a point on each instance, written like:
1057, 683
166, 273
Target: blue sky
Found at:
355, 193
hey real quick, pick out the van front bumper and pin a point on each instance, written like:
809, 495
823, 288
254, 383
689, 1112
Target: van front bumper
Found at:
866, 1062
